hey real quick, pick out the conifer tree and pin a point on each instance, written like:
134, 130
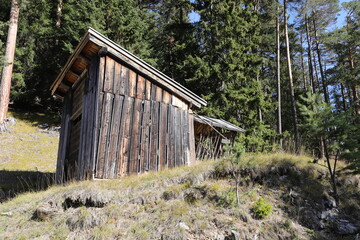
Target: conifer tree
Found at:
226, 72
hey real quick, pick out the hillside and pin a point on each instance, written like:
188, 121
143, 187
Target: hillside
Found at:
192, 203
28, 153
293, 197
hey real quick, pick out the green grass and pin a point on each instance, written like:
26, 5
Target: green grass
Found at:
27, 148
151, 206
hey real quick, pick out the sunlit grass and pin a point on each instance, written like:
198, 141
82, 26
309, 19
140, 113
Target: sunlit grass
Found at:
27, 148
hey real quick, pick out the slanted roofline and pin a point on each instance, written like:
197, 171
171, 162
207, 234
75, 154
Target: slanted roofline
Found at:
91, 44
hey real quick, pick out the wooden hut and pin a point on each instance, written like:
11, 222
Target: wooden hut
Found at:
121, 116
211, 135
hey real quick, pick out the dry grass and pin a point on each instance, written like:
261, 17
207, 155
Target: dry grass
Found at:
27, 148
136, 208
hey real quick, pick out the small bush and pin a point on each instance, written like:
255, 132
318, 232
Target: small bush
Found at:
262, 208
227, 199
287, 224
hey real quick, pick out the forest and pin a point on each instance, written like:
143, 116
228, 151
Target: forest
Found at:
286, 71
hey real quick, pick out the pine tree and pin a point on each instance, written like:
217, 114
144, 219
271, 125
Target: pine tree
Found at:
226, 72
291, 85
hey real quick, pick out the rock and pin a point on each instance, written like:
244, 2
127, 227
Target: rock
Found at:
326, 215
183, 226
8, 214
43, 126
235, 234
11, 121
344, 227
47, 211
357, 237
328, 201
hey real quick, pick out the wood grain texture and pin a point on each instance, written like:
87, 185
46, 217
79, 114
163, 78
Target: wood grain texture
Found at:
105, 124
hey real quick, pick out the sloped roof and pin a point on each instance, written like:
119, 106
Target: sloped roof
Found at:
94, 43
218, 123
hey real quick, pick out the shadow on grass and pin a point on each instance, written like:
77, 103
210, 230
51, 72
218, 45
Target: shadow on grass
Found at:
36, 118
13, 183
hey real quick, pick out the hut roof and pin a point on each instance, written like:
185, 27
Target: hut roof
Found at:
94, 43
218, 123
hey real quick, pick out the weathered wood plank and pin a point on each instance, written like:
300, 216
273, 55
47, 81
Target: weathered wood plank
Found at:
114, 136
83, 132
191, 139
125, 136
147, 90
177, 137
101, 73
125, 78
163, 135
154, 135
132, 83
117, 79
145, 143
153, 92
159, 94
109, 75
185, 138
104, 133
166, 97
171, 134
135, 137
64, 139
140, 91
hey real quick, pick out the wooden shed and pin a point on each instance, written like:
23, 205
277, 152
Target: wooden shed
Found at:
121, 116
211, 135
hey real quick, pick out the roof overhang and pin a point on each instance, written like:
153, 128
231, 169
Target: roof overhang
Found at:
218, 123
91, 44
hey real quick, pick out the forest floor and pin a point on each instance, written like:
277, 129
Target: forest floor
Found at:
197, 202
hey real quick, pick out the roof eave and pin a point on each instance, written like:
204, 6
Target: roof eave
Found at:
127, 57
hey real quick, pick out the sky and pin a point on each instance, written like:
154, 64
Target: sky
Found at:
195, 17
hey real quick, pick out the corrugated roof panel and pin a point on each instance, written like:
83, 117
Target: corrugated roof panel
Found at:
218, 123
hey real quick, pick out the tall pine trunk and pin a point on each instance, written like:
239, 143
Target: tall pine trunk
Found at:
58, 13
278, 73
318, 51
308, 39
343, 96
291, 83
5, 83
302, 60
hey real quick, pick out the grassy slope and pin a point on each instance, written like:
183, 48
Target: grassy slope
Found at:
27, 148
158, 205
184, 203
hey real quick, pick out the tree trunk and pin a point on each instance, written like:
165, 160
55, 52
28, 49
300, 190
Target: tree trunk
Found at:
332, 171
302, 61
5, 83
316, 72
278, 73
291, 83
324, 87
58, 13
354, 89
343, 96
311, 72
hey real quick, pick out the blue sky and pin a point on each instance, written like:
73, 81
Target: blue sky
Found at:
194, 17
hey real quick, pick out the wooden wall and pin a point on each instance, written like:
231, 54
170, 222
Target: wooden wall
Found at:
77, 138
142, 127
116, 122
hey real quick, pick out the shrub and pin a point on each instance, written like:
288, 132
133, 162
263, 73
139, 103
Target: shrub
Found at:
262, 208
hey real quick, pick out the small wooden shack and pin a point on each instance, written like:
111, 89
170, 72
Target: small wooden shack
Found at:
211, 135
121, 116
